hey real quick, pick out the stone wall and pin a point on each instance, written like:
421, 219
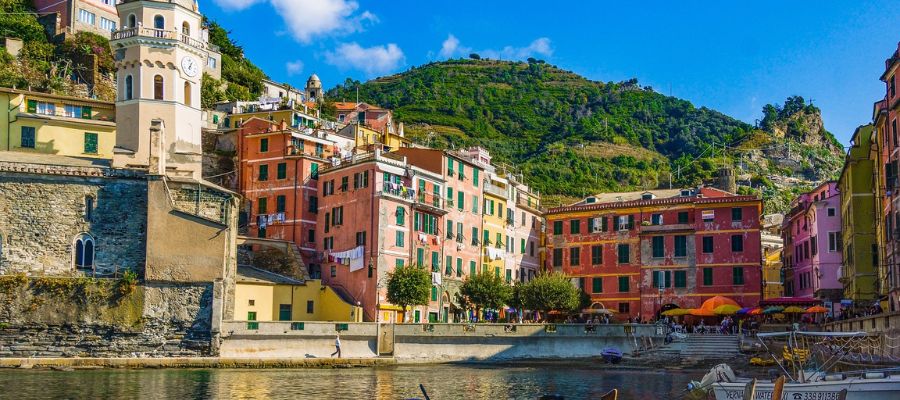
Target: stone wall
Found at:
69, 317
41, 215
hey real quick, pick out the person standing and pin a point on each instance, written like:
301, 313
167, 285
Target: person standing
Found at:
337, 345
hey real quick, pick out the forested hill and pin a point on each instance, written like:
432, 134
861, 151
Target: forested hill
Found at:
568, 135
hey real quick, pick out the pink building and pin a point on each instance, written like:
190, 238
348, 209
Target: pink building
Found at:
812, 245
97, 16
378, 212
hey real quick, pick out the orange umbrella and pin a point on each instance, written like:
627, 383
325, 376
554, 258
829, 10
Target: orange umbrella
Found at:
713, 302
816, 310
701, 312
755, 311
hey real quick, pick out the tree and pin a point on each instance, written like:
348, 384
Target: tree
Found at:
553, 291
485, 290
474, 56
409, 286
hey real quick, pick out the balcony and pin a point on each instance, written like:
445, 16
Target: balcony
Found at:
430, 203
78, 114
143, 31
528, 203
666, 228
495, 190
398, 191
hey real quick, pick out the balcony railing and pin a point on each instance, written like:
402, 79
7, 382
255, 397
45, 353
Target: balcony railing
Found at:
162, 34
430, 199
398, 190
62, 112
495, 190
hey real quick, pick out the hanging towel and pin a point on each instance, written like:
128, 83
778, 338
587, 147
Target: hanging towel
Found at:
356, 264
435, 278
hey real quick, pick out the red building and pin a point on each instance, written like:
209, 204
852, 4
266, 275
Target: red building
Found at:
885, 119
278, 173
635, 253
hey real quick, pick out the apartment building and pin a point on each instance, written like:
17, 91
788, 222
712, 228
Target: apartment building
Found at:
95, 16
888, 187
861, 254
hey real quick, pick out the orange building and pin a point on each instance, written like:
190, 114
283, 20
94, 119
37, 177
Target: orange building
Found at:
636, 253
278, 172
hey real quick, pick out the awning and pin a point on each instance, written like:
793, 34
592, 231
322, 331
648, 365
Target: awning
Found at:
783, 301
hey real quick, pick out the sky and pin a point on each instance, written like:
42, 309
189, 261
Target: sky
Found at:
733, 57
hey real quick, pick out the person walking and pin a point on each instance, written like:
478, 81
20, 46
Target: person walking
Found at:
337, 345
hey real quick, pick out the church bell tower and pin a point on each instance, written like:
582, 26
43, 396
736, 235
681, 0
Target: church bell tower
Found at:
160, 52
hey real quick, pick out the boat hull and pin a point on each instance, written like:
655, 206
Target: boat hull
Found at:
857, 389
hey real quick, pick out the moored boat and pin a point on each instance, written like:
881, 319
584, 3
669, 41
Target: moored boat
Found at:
611, 355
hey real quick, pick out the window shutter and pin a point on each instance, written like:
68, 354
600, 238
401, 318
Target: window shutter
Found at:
85, 112
631, 222
668, 279
603, 224
656, 279
32, 106
590, 227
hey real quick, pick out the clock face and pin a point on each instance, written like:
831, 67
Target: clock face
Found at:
190, 66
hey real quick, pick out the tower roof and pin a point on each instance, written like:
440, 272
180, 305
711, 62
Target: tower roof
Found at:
313, 79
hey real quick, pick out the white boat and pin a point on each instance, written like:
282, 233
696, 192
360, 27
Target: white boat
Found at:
807, 376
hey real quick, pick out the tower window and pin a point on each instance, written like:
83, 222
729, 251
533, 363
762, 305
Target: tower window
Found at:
187, 93
132, 21
84, 251
129, 87
159, 22
186, 28
158, 87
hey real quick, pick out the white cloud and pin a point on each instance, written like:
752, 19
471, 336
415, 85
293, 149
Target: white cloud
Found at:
235, 5
294, 67
306, 19
451, 47
375, 60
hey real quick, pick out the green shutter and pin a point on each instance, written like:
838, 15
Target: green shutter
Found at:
668, 279
420, 257
314, 171
707, 276
631, 222
90, 143
472, 268
85, 112
32, 106
623, 284
461, 199
282, 170
680, 279
475, 177
603, 224
597, 284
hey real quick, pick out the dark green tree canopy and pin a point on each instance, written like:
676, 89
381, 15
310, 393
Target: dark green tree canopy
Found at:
550, 292
409, 286
485, 290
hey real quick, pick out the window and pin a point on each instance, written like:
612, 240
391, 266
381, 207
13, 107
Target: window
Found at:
435, 261
158, 87
522, 246
737, 243
680, 246
459, 232
575, 226
662, 279
345, 183
129, 87
461, 169
261, 205
311, 236
626, 222
737, 275
86, 16
459, 267
401, 215
337, 215
186, 29
420, 257
680, 279
472, 268
281, 171
474, 236
574, 256
28, 139
461, 199
251, 316
280, 201
310, 306
400, 239
313, 170
831, 212
88, 208
557, 257
450, 167
263, 172
624, 253
284, 312
211, 62
475, 204
707, 244
187, 94
833, 240
683, 217
84, 251
475, 177
707, 276
814, 243
624, 308
597, 285
623, 284
656, 219
557, 227
659, 248
531, 249
132, 21
737, 214
433, 298
361, 180
597, 255
448, 266
159, 22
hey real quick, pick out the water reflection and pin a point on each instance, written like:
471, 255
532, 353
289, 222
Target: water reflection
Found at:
487, 382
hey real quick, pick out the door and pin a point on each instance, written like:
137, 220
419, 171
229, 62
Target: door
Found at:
284, 312
418, 316
386, 339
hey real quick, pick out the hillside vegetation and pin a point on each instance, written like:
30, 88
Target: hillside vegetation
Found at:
571, 136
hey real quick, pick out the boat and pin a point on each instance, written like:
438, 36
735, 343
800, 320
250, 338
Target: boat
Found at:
611, 395
611, 355
805, 364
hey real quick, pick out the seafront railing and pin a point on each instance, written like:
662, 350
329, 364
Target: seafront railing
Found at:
317, 328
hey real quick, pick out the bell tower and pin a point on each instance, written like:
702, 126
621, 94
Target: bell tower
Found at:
160, 54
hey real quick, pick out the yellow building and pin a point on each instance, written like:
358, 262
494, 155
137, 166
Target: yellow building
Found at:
55, 124
265, 296
494, 235
366, 138
773, 278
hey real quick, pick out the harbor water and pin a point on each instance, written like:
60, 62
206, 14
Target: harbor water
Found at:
474, 381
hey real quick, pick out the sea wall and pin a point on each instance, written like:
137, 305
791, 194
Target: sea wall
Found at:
427, 342
83, 317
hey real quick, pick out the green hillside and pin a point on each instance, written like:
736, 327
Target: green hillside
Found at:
568, 135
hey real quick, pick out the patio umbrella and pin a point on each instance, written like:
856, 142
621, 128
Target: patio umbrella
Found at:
773, 310
755, 311
713, 302
745, 310
816, 310
701, 312
726, 309
793, 310
676, 312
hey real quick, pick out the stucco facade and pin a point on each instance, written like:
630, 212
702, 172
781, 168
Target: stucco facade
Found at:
634, 253
887, 150
265, 296
861, 254
813, 242
95, 16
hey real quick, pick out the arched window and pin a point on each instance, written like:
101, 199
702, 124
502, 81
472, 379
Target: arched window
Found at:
129, 87
132, 21
187, 93
159, 22
158, 87
186, 28
84, 251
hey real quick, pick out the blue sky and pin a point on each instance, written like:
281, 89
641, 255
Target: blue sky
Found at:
730, 56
